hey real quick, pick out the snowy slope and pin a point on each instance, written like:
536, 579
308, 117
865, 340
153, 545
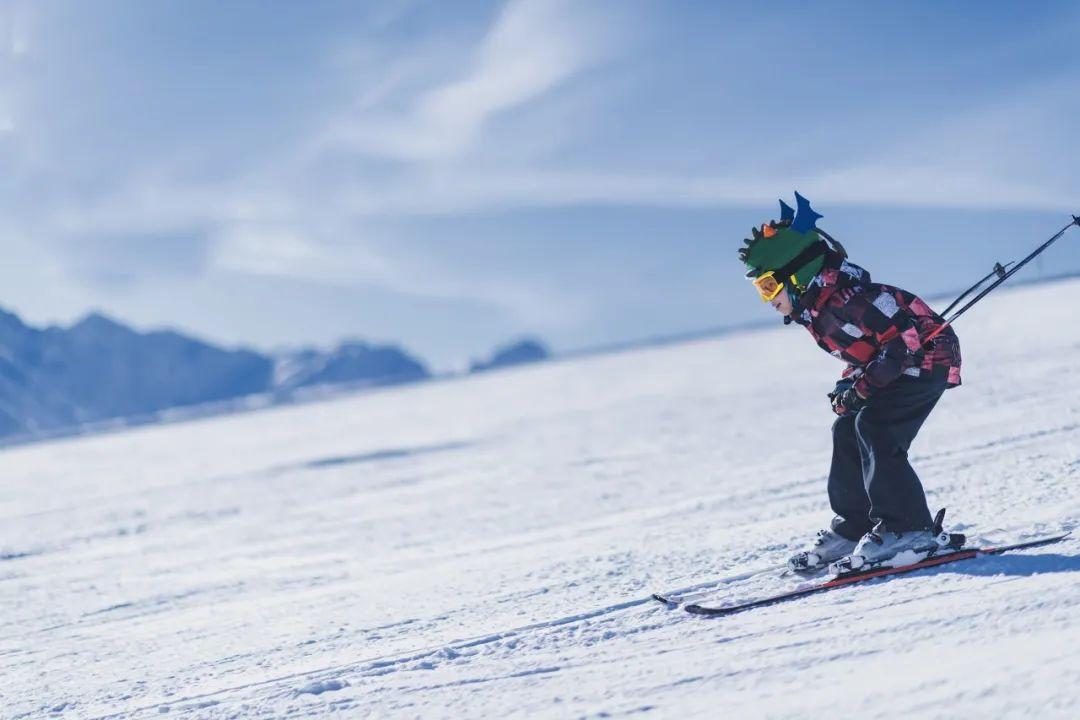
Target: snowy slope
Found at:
482, 547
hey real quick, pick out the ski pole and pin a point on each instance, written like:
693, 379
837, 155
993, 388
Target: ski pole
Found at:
998, 270
1002, 277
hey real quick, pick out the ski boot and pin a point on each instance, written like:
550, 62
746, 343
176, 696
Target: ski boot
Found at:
883, 548
827, 547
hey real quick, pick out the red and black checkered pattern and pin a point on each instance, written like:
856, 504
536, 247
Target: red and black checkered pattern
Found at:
878, 329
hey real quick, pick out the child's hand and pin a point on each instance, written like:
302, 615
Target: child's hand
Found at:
834, 397
849, 401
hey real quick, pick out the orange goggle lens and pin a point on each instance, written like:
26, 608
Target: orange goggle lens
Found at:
768, 286
768, 230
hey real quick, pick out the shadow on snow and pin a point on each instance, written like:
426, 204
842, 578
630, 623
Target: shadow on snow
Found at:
382, 455
1018, 565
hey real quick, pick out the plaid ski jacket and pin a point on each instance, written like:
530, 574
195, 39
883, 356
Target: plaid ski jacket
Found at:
878, 329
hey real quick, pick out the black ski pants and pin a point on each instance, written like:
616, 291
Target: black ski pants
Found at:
871, 479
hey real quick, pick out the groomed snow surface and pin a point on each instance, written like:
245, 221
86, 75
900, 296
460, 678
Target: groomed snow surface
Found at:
484, 547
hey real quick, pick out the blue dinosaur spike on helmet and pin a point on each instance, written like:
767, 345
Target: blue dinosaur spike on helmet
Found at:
805, 218
787, 213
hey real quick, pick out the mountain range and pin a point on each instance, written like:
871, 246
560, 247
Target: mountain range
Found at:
99, 370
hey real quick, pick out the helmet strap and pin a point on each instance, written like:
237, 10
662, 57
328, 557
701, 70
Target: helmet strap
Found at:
811, 253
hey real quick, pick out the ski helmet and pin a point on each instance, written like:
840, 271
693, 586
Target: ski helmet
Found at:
791, 248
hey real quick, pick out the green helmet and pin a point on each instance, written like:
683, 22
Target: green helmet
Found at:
792, 248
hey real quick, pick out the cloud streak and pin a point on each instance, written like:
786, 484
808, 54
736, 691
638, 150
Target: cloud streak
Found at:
531, 48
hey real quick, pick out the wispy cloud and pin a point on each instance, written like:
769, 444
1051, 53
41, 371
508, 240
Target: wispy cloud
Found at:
980, 155
293, 218
532, 47
14, 42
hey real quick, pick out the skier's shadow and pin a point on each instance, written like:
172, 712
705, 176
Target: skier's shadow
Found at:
1020, 565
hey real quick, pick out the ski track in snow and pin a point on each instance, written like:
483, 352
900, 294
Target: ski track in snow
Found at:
485, 547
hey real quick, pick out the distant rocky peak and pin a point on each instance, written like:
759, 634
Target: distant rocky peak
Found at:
100, 324
526, 350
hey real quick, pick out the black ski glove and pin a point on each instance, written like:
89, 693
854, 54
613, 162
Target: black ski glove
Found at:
848, 402
841, 385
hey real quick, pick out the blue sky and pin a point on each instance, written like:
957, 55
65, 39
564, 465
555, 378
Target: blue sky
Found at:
451, 175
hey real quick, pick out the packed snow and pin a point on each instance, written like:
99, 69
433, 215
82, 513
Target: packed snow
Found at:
485, 547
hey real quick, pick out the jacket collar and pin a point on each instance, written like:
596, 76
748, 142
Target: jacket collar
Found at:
836, 274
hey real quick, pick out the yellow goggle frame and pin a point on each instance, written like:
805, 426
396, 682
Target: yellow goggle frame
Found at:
769, 286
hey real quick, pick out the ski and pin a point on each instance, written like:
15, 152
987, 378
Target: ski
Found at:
860, 576
692, 593
673, 598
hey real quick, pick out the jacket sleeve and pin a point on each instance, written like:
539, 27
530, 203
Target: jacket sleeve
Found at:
882, 318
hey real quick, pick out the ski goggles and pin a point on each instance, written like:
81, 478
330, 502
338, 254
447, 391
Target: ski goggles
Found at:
768, 286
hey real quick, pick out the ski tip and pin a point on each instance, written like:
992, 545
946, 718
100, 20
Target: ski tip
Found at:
708, 611
666, 601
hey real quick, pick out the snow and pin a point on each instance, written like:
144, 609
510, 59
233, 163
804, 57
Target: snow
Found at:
485, 547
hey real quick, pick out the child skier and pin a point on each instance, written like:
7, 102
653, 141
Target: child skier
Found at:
893, 379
